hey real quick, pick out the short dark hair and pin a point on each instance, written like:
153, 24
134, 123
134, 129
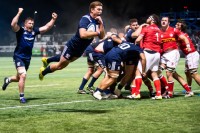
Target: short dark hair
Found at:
133, 20
94, 4
183, 25
27, 19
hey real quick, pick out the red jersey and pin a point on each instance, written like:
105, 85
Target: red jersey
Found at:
151, 38
183, 46
169, 38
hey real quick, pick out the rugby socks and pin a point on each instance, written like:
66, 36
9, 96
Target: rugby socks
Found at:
107, 91
98, 89
138, 83
47, 70
171, 88
190, 87
133, 88
119, 87
92, 81
157, 86
53, 59
163, 81
186, 87
21, 95
84, 81
112, 87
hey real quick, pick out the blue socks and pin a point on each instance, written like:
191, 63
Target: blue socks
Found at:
46, 71
92, 81
84, 81
54, 59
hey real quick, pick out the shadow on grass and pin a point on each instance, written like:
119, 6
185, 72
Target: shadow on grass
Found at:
29, 99
80, 111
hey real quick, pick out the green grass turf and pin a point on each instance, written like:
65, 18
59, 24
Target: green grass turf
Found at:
55, 107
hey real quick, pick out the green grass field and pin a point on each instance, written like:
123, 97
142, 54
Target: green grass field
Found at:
55, 107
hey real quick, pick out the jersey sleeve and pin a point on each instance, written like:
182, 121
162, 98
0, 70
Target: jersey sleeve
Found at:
84, 22
36, 30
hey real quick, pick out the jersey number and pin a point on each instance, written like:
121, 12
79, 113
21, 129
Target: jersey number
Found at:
124, 46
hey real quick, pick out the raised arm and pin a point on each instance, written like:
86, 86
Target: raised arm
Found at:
138, 31
49, 25
14, 25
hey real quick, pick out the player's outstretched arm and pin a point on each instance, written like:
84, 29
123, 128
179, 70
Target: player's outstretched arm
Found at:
14, 25
49, 25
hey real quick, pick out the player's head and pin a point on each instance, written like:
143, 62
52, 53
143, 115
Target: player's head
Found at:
153, 19
133, 23
165, 21
181, 25
29, 23
96, 8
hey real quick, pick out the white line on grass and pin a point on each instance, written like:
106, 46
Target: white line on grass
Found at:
51, 104
48, 104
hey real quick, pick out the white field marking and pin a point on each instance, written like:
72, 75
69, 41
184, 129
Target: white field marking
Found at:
48, 104
31, 86
51, 104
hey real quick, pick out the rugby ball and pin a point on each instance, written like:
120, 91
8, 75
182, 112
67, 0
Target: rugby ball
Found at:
91, 27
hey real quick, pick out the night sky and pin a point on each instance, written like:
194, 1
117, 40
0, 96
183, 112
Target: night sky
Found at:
116, 13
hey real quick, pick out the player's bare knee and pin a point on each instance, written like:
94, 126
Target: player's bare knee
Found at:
22, 71
170, 69
114, 75
193, 71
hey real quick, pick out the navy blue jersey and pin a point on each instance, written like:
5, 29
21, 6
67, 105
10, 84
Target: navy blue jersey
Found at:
128, 36
125, 51
76, 41
108, 45
25, 41
98, 56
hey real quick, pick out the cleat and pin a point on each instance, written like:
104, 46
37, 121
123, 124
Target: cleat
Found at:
152, 94
165, 95
157, 97
112, 96
117, 92
138, 96
131, 96
44, 61
5, 84
41, 77
23, 100
81, 92
105, 96
189, 94
97, 95
109, 96
91, 89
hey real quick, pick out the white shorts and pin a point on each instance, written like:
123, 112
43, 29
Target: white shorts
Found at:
152, 61
171, 58
192, 60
